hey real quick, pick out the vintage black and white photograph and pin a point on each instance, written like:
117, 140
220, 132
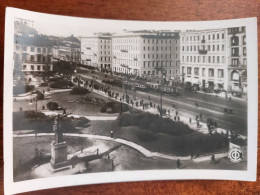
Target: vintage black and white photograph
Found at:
95, 98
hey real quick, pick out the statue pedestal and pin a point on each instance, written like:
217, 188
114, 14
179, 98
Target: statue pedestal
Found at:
59, 156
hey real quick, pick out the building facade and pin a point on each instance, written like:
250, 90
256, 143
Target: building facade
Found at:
67, 49
237, 60
146, 53
214, 59
33, 54
204, 59
96, 51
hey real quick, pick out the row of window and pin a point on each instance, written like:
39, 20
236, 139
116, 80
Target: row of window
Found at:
126, 62
105, 52
32, 49
204, 59
210, 36
157, 64
148, 41
104, 58
105, 46
35, 67
38, 58
105, 41
236, 62
211, 72
152, 56
235, 51
148, 48
204, 47
153, 72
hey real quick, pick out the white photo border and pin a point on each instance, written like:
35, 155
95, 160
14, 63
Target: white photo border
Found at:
11, 187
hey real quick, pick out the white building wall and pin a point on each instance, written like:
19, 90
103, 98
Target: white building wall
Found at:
204, 52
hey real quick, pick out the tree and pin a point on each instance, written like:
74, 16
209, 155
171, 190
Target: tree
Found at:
52, 105
39, 96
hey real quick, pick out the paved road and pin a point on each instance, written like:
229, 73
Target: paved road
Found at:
209, 106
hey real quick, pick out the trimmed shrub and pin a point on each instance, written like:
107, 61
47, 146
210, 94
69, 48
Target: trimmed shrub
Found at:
52, 105
154, 123
79, 91
39, 96
146, 136
114, 107
42, 123
198, 144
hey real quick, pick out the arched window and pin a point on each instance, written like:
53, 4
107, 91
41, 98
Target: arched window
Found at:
235, 76
234, 40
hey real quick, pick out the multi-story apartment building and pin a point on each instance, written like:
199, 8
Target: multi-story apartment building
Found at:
67, 49
146, 53
210, 59
237, 60
96, 51
204, 58
33, 54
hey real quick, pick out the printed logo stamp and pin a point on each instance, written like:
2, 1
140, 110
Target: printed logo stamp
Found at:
235, 155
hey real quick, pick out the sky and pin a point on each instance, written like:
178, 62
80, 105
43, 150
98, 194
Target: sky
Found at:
87, 29
65, 26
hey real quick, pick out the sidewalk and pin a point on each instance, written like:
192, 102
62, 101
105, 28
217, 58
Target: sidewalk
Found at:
221, 95
183, 117
133, 145
29, 95
91, 118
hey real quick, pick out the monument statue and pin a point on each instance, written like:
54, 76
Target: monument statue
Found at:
58, 147
57, 130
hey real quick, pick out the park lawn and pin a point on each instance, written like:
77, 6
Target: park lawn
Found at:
72, 103
128, 159
163, 143
24, 148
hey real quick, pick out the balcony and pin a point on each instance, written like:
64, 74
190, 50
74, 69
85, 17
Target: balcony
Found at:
135, 59
203, 41
124, 50
203, 52
124, 66
158, 67
235, 55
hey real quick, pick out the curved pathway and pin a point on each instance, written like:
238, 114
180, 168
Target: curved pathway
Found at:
133, 145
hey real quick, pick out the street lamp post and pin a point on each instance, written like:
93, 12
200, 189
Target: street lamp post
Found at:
36, 101
161, 103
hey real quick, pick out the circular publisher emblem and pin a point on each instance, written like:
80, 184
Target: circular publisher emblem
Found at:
235, 155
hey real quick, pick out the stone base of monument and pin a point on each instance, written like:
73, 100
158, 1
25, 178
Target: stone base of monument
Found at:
46, 170
59, 156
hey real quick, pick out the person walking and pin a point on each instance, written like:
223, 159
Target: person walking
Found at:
198, 123
213, 160
190, 120
178, 163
